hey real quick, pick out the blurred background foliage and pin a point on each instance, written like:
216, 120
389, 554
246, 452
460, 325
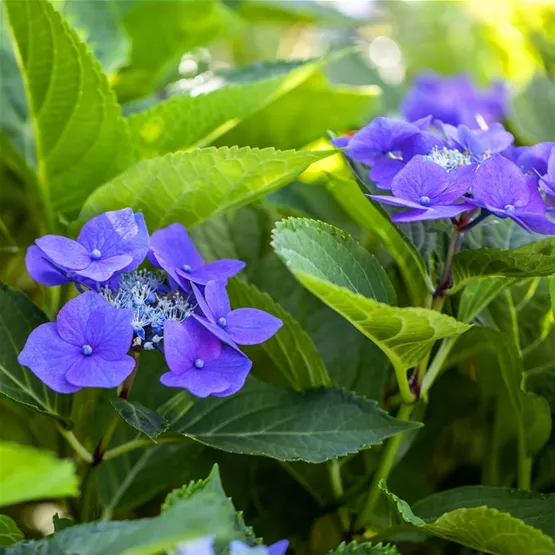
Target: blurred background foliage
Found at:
153, 50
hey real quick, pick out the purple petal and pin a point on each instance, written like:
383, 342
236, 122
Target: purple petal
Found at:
103, 269
64, 252
495, 138
394, 201
172, 248
214, 271
433, 213
216, 297
278, 548
110, 332
420, 178
535, 158
384, 170
460, 182
498, 182
49, 357
535, 222
94, 371
117, 233
250, 326
187, 341
216, 330
341, 142
42, 269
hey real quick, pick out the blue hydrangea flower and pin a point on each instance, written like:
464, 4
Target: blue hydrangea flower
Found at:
109, 243
237, 547
86, 347
430, 191
243, 326
199, 362
531, 160
454, 100
547, 181
171, 249
500, 187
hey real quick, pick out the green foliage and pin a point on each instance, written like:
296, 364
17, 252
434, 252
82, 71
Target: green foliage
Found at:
80, 136
18, 317
141, 418
481, 527
9, 532
189, 187
29, 473
262, 419
364, 548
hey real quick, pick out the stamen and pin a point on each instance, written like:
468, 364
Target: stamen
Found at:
186, 268
509, 208
199, 363
222, 322
425, 201
95, 254
86, 350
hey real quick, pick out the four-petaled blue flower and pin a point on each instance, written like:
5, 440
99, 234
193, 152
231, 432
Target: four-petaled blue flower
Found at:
199, 362
171, 249
242, 326
430, 191
108, 244
86, 347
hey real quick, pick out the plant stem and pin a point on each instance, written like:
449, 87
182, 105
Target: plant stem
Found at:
387, 462
437, 364
136, 444
75, 444
524, 476
334, 469
445, 281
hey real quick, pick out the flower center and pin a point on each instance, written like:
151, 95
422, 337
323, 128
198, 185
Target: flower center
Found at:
449, 159
425, 201
86, 350
509, 208
199, 363
95, 254
186, 268
222, 322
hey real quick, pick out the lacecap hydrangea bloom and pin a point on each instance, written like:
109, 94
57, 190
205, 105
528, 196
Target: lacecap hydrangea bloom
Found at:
180, 307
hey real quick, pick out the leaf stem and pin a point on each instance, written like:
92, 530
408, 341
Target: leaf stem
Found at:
137, 444
387, 462
77, 446
437, 364
334, 469
524, 472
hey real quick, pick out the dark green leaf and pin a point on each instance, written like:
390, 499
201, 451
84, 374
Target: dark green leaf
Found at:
477, 295
9, 532
141, 418
263, 419
190, 187
365, 548
291, 349
18, 317
81, 138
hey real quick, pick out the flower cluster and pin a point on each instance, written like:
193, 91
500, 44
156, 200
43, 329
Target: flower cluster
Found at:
437, 170
180, 307
205, 546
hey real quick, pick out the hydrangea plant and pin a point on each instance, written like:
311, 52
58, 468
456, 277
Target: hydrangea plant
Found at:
249, 310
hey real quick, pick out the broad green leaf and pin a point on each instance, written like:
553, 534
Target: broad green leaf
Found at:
291, 349
9, 532
306, 114
378, 224
532, 260
189, 187
180, 26
100, 25
499, 233
141, 418
29, 474
478, 294
532, 113
18, 317
364, 548
320, 259
205, 514
80, 137
263, 419
535, 509
221, 103
479, 527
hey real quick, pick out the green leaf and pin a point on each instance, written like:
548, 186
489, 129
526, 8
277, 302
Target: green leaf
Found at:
477, 295
263, 419
364, 548
190, 187
181, 26
81, 138
305, 114
141, 418
291, 349
532, 260
532, 113
29, 473
479, 527
18, 317
321, 258
203, 515
378, 224
9, 532
198, 118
